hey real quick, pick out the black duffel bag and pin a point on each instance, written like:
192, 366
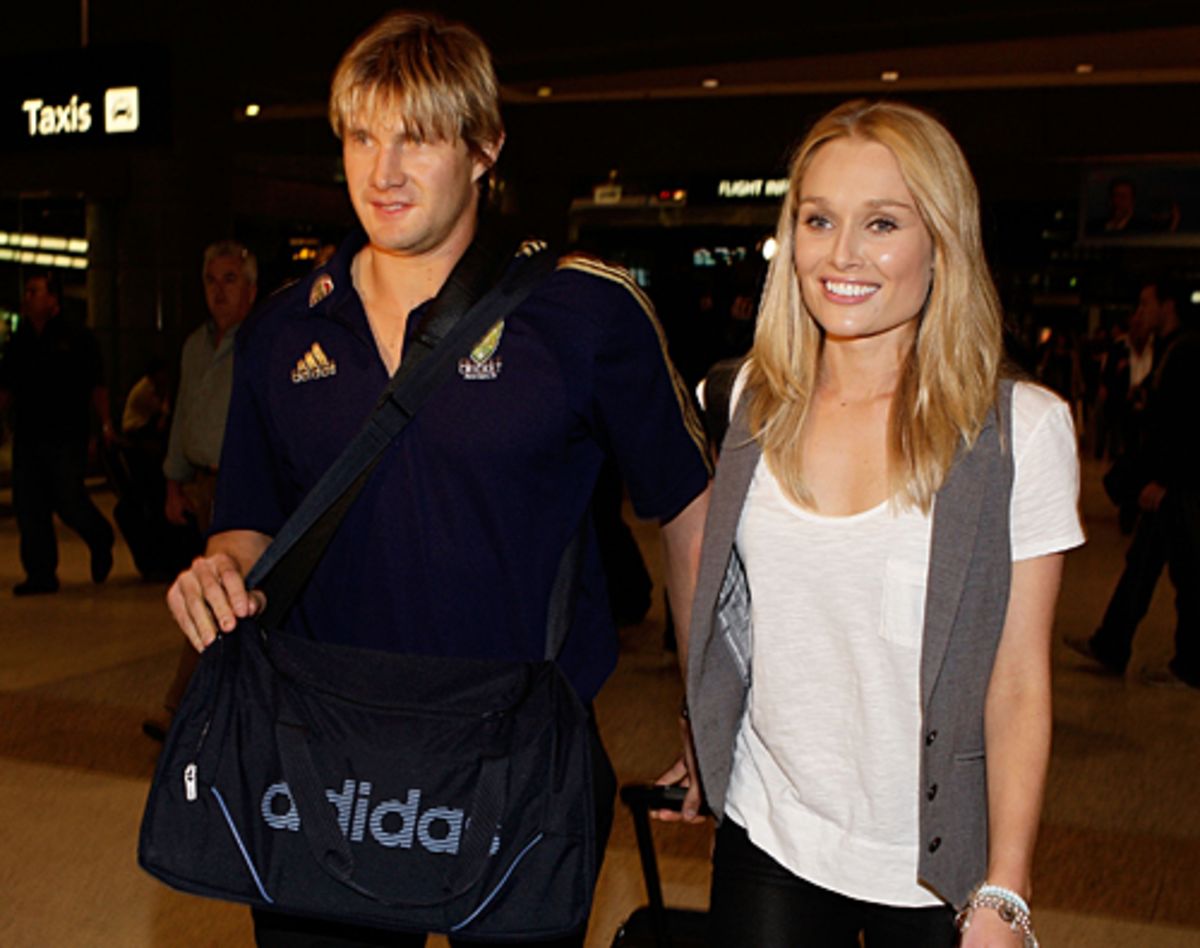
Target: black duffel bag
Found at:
414, 793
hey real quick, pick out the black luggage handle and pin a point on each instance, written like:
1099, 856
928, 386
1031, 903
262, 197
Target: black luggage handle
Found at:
641, 798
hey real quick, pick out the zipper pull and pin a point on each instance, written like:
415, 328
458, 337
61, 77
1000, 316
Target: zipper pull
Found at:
189, 783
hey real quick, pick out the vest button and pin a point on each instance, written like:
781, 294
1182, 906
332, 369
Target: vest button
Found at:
935, 844
931, 792
930, 738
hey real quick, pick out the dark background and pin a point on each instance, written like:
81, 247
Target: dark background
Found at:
626, 98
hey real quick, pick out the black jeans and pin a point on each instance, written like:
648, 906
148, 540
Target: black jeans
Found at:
1182, 508
1169, 537
1144, 562
286, 931
756, 901
48, 479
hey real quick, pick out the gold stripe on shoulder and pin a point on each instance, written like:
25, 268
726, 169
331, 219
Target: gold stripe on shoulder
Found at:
586, 263
529, 247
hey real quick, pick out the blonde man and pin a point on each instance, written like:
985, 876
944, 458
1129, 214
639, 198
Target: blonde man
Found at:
452, 546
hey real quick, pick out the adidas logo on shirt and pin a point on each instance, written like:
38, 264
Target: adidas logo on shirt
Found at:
314, 365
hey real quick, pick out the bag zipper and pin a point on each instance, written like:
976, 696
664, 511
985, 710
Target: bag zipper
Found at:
190, 770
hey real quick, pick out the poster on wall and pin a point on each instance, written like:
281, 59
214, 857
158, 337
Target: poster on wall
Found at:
1147, 203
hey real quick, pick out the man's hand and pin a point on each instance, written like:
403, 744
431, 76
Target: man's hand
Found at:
211, 596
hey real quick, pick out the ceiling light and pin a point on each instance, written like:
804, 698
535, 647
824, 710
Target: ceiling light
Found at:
1085, 69
710, 83
252, 110
544, 92
889, 75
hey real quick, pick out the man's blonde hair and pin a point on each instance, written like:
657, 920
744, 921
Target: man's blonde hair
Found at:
435, 74
948, 381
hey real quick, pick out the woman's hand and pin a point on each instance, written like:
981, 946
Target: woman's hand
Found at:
989, 930
682, 773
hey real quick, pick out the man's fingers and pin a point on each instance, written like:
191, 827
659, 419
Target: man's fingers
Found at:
258, 601
234, 591
209, 598
216, 596
186, 601
178, 607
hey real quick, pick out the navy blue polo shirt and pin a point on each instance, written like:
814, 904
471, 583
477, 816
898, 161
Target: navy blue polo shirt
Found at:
453, 544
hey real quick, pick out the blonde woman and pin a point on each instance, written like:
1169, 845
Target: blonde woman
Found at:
869, 670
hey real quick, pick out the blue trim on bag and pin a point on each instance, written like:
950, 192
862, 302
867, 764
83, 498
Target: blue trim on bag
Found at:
499, 885
241, 846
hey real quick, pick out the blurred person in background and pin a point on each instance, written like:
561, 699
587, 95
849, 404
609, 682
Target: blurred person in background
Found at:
230, 274
1165, 479
52, 374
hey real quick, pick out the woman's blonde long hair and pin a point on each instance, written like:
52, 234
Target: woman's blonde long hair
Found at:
948, 382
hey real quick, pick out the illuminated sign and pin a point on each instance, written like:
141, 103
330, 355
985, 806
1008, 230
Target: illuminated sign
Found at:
45, 119
741, 189
89, 97
121, 110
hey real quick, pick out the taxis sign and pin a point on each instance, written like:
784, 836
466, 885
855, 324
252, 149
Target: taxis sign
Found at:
85, 98
74, 117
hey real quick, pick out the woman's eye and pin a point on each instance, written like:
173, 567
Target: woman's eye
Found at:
816, 222
882, 225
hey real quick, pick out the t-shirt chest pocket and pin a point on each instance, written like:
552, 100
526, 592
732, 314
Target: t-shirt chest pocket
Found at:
902, 612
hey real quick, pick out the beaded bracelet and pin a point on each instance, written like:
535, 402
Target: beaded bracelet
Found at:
1007, 894
1012, 909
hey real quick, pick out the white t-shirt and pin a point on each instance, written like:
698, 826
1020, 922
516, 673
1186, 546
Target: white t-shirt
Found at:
825, 774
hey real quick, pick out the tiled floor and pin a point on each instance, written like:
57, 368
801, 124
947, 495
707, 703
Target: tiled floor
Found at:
1118, 861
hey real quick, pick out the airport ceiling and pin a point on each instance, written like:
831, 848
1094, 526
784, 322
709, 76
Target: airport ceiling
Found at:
282, 55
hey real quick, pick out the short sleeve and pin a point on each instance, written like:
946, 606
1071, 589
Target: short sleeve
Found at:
1045, 500
248, 486
642, 405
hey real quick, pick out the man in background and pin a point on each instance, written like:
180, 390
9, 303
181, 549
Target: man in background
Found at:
205, 379
198, 426
1168, 531
52, 375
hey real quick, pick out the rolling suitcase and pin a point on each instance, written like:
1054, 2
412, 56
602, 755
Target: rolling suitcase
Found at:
655, 925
